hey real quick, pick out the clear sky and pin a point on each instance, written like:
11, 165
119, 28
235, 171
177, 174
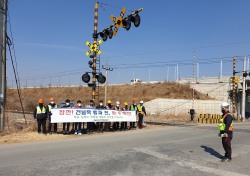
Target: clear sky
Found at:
50, 36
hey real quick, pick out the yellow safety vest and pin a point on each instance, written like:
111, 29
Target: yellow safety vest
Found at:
222, 125
39, 111
139, 108
50, 107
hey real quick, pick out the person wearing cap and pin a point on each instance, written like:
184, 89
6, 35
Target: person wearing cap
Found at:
41, 114
67, 105
226, 131
116, 124
100, 124
78, 125
51, 105
107, 124
90, 125
133, 107
124, 125
141, 111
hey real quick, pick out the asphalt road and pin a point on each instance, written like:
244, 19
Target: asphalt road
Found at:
160, 151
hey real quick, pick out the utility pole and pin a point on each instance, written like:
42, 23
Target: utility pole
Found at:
193, 77
149, 75
168, 74
177, 73
220, 80
243, 107
106, 83
3, 31
197, 72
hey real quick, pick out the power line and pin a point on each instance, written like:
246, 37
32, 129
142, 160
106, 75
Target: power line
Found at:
13, 46
176, 50
17, 83
208, 61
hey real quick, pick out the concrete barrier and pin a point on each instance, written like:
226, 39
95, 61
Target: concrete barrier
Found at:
178, 107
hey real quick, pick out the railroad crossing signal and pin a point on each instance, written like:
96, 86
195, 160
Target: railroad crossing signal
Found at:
118, 21
121, 21
93, 47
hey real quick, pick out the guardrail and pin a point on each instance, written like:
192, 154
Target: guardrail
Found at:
209, 118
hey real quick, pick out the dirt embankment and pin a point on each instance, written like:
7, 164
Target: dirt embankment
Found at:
16, 131
120, 93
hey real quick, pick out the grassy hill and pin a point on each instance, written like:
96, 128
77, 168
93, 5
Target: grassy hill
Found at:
122, 93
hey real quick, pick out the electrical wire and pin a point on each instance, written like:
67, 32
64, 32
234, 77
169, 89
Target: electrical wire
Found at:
13, 46
18, 88
112, 6
208, 61
10, 43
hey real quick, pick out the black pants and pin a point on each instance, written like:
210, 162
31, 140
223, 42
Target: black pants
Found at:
107, 126
140, 120
115, 126
41, 122
78, 126
64, 125
226, 142
132, 125
99, 126
90, 126
124, 125
50, 124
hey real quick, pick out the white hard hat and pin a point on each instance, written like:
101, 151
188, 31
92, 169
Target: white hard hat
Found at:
141, 102
118, 103
224, 104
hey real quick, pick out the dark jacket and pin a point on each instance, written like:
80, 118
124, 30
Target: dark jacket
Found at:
228, 121
42, 115
100, 107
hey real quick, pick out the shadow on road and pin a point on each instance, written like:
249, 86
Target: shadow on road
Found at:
211, 151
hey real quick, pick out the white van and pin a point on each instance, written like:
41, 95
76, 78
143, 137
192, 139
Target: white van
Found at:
135, 81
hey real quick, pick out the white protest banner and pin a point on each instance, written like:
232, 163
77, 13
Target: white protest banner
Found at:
91, 115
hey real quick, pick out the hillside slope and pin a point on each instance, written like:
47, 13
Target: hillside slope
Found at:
120, 93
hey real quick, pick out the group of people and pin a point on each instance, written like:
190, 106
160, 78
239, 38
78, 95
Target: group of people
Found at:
43, 112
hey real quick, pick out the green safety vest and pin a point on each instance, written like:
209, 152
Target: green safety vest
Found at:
140, 109
133, 108
39, 111
222, 125
50, 107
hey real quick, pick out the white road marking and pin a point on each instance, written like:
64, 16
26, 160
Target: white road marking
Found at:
188, 164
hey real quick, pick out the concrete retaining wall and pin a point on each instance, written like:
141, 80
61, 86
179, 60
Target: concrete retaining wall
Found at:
182, 106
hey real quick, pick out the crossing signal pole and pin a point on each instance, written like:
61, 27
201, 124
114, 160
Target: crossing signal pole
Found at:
92, 53
234, 87
105, 34
94, 56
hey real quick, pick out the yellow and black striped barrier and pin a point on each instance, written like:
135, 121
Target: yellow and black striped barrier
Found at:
209, 118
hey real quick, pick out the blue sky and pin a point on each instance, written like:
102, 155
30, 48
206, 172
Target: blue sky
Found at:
50, 36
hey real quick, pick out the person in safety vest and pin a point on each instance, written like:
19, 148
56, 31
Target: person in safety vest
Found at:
78, 125
226, 131
67, 105
133, 107
116, 124
100, 124
107, 124
41, 114
51, 105
124, 124
90, 125
141, 111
